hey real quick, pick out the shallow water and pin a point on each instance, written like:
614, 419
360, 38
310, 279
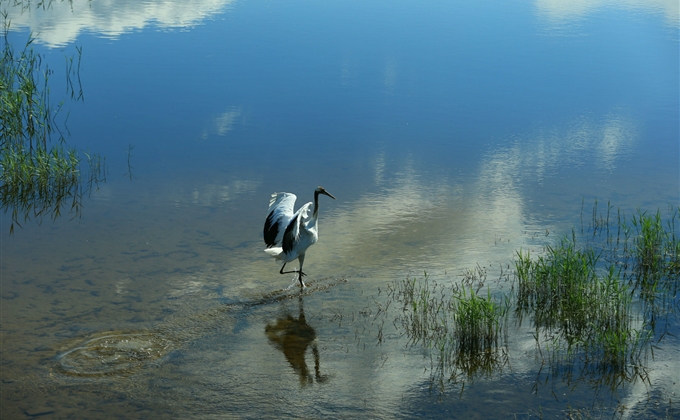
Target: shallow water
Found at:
451, 134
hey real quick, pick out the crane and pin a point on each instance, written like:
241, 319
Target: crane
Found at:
287, 234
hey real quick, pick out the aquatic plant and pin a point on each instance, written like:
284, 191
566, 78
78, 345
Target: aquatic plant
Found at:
656, 250
584, 310
555, 287
598, 302
464, 330
37, 177
598, 306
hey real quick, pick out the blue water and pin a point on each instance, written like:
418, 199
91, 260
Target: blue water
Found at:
452, 134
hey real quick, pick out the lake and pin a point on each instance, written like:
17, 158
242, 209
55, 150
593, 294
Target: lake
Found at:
452, 134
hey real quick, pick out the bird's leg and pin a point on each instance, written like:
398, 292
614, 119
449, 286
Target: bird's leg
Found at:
298, 272
301, 258
286, 272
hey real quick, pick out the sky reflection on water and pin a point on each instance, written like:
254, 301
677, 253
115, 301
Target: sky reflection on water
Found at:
57, 24
452, 134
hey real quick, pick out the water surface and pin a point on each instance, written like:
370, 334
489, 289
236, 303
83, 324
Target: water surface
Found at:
452, 135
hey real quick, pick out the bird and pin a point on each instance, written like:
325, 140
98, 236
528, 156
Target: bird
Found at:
288, 235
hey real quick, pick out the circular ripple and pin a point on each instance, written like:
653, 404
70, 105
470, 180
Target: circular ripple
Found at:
113, 354
121, 353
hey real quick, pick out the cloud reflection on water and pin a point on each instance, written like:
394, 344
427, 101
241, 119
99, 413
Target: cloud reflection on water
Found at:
556, 11
225, 122
410, 221
215, 194
415, 222
61, 22
410, 218
586, 142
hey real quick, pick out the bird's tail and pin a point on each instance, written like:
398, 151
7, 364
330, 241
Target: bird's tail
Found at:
274, 252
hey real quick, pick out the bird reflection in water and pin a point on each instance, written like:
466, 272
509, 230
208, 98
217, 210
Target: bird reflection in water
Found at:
293, 336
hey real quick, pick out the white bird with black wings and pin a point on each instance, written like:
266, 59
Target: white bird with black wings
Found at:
287, 234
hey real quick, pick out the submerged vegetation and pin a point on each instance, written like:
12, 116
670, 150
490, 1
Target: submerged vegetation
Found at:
598, 303
38, 175
466, 330
573, 303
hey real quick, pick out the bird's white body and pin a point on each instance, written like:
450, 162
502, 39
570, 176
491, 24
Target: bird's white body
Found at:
289, 234
304, 233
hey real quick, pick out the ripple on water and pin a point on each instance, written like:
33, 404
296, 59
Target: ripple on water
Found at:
123, 353
113, 354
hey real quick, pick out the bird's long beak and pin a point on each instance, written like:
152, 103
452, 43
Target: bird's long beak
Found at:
324, 192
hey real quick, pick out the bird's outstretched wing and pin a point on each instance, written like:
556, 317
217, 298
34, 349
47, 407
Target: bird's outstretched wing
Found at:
295, 229
278, 217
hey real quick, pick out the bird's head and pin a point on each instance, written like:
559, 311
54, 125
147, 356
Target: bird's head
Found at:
322, 190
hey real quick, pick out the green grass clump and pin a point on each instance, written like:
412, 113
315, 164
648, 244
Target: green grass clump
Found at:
584, 309
554, 287
649, 243
477, 320
602, 304
655, 252
464, 329
598, 305
36, 176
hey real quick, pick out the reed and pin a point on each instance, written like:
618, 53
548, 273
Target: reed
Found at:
585, 309
478, 320
597, 300
649, 243
600, 304
37, 176
656, 246
464, 330
554, 287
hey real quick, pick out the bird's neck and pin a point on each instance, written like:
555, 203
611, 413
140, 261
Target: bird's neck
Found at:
315, 212
316, 205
